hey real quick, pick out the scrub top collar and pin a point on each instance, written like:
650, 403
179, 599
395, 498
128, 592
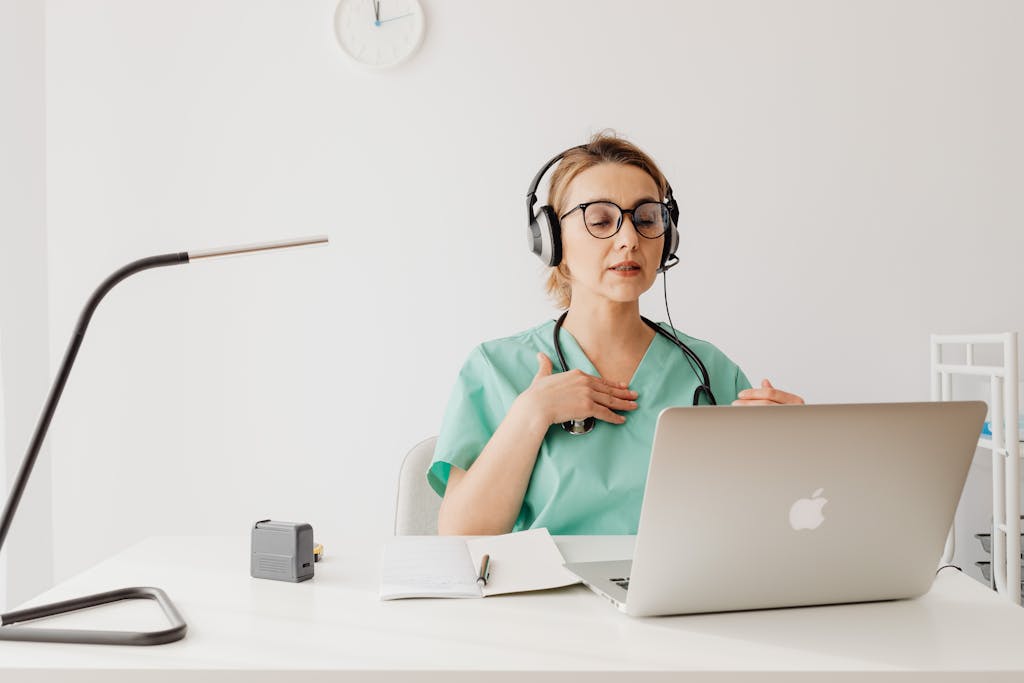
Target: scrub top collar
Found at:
576, 357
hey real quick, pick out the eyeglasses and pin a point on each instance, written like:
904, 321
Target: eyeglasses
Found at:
604, 219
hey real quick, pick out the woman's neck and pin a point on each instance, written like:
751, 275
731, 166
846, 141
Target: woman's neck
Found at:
604, 328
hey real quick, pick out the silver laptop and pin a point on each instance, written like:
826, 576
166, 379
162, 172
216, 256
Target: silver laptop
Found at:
751, 507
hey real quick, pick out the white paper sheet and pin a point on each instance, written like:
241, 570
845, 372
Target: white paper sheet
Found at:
447, 566
427, 567
523, 561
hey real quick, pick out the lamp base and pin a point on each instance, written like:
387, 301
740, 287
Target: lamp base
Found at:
176, 632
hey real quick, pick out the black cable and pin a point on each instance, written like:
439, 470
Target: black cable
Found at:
587, 424
672, 328
558, 346
688, 353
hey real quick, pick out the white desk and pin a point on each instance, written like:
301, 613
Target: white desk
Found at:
334, 628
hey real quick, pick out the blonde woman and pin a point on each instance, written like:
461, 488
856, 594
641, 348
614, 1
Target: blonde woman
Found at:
552, 427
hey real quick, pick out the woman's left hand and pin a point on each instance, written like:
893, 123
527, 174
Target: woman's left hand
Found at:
767, 395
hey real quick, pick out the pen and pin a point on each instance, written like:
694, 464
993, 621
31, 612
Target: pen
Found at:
485, 569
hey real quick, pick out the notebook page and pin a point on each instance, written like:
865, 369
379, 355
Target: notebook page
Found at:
521, 561
427, 567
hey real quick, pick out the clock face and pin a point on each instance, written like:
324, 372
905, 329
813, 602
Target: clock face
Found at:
379, 33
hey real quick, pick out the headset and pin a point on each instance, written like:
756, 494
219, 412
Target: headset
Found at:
544, 231
544, 237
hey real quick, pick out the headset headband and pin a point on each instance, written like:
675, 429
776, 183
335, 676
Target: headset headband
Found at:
531, 194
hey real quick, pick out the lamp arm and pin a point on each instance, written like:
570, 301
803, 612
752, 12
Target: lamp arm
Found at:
21, 480
12, 624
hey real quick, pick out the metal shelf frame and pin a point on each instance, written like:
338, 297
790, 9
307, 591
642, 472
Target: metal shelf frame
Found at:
1004, 445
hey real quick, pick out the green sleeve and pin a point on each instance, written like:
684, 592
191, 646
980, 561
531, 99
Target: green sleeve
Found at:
741, 383
469, 421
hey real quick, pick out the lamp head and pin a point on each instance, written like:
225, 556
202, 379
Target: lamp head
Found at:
254, 248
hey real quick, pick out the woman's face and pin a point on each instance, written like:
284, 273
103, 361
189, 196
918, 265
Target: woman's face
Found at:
624, 266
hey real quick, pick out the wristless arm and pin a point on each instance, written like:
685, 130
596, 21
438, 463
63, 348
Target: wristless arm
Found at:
486, 498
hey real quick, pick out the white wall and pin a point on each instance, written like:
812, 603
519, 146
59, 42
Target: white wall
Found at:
23, 294
849, 176
4, 579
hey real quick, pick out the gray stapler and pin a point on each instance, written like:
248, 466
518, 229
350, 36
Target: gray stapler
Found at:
282, 551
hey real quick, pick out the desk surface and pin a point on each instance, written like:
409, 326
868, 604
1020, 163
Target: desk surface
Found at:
335, 628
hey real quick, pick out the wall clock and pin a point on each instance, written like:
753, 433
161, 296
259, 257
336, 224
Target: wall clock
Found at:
379, 33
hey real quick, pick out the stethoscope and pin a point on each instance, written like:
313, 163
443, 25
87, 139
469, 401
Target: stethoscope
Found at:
586, 425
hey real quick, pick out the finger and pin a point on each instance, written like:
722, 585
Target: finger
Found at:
613, 388
754, 402
762, 394
612, 402
626, 394
605, 415
786, 397
543, 366
771, 396
765, 384
774, 395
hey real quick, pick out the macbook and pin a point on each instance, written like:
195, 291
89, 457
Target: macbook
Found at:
751, 507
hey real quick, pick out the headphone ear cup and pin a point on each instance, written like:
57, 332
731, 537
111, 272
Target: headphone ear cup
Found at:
672, 241
673, 210
668, 254
545, 236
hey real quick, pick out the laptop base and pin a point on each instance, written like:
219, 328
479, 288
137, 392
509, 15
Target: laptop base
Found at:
603, 578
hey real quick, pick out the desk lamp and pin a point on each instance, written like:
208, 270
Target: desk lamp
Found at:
177, 627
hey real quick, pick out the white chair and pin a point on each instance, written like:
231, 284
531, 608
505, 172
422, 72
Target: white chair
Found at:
417, 505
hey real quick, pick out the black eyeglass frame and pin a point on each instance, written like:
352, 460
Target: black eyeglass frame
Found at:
666, 214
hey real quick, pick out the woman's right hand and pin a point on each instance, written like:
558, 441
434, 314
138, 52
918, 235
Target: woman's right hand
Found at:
575, 395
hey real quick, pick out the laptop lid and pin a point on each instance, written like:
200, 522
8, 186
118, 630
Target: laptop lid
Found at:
751, 507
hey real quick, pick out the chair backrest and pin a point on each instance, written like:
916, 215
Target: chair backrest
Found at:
417, 505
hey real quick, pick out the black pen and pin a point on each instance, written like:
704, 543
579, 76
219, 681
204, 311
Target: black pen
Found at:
485, 569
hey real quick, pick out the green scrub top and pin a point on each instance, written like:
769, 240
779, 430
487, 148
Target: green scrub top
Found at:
581, 484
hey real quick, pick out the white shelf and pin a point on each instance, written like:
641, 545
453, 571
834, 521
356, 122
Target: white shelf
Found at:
987, 443
1006, 450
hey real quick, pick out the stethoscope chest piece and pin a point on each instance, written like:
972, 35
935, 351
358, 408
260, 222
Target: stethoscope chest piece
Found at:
584, 426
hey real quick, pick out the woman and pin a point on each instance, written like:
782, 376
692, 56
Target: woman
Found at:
502, 461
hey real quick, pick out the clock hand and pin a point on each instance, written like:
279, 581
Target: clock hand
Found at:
401, 16
376, 11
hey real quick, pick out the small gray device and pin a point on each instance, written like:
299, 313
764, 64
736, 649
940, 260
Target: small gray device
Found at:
282, 551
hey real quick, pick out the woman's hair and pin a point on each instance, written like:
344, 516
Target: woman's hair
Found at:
604, 147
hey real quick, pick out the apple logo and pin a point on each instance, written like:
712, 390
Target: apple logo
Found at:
806, 512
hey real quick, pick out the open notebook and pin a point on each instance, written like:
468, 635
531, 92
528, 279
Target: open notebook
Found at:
447, 566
